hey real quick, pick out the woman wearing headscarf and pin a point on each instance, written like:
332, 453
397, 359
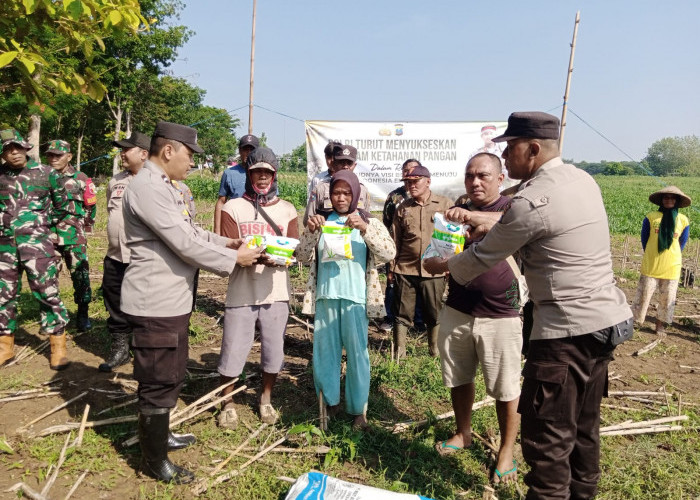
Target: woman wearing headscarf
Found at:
664, 235
344, 293
257, 296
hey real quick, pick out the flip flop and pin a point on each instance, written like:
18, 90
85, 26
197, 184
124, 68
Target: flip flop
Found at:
509, 471
444, 449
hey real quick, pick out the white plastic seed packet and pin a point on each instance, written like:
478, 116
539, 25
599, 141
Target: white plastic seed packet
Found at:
280, 249
337, 244
447, 239
253, 241
317, 486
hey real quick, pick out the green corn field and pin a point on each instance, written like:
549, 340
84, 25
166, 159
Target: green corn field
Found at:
626, 197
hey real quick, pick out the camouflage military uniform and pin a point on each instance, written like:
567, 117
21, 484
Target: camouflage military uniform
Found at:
25, 245
72, 216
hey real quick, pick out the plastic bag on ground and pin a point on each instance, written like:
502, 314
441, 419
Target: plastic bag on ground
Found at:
317, 486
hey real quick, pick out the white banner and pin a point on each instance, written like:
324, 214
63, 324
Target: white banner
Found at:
382, 147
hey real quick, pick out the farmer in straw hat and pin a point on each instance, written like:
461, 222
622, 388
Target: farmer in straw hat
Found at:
664, 235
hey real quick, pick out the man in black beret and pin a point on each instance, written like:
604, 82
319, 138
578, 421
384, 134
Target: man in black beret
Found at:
166, 249
558, 225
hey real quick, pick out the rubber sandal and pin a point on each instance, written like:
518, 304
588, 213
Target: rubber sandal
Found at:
445, 449
509, 471
228, 418
268, 414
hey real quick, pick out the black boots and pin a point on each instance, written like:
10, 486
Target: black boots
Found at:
180, 441
82, 320
118, 353
154, 436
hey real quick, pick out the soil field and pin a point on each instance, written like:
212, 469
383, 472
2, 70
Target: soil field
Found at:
662, 466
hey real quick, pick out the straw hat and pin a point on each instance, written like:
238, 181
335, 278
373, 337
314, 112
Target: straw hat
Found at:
683, 199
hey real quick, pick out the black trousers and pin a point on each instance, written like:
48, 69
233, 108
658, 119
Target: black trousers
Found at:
161, 350
564, 382
112, 278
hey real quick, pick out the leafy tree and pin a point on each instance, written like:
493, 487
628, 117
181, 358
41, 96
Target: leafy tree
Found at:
674, 156
38, 39
616, 168
294, 161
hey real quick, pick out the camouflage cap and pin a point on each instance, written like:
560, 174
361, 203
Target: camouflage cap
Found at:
58, 147
11, 136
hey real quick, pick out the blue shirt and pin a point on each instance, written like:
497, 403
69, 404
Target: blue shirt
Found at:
344, 279
233, 182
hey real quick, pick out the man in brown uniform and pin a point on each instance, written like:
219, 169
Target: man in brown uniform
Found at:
412, 229
558, 224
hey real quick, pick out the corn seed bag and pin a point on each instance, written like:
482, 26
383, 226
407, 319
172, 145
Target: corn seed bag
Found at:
336, 242
280, 249
447, 239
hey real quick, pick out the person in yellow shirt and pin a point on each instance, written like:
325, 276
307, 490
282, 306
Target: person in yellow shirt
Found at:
664, 235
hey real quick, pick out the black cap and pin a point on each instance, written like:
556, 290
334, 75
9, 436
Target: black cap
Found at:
135, 140
417, 172
262, 156
530, 124
328, 150
344, 152
249, 140
180, 133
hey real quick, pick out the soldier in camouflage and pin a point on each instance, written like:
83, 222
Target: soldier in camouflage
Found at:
75, 205
25, 246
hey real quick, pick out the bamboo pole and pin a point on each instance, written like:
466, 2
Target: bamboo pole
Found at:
647, 348
635, 393
568, 82
189, 412
56, 429
201, 487
644, 430
645, 423
61, 459
81, 431
34, 495
75, 486
235, 452
252, 67
30, 396
403, 426
53, 410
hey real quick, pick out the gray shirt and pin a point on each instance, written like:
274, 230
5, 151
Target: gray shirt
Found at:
166, 248
116, 239
558, 223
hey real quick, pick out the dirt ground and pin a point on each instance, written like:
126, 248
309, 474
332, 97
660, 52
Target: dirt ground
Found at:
663, 366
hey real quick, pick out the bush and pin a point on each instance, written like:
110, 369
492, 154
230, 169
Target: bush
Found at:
292, 187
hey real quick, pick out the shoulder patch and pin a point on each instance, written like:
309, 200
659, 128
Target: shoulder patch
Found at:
505, 210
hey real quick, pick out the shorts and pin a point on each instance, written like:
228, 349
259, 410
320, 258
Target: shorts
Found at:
239, 331
464, 341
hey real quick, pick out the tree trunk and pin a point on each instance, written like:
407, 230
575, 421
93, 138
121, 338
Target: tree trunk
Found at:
33, 136
118, 112
79, 150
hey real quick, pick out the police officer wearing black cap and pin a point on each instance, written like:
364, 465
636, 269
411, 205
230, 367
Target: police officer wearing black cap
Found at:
166, 250
233, 179
557, 223
133, 153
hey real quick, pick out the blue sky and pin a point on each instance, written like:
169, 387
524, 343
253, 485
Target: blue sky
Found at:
636, 72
